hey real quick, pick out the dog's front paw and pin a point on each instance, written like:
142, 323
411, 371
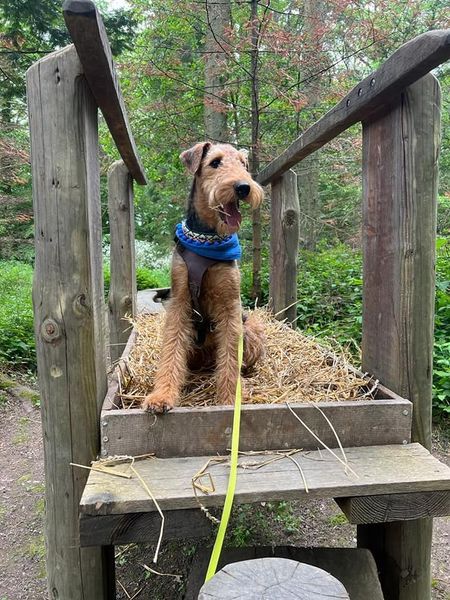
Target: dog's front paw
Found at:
157, 403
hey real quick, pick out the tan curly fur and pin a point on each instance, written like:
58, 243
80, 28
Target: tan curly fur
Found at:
215, 190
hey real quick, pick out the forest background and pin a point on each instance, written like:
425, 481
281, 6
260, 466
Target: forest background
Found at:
253, 73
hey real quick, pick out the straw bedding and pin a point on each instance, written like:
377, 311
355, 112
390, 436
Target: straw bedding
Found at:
296, 369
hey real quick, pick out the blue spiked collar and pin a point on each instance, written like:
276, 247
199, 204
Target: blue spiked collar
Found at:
208, 243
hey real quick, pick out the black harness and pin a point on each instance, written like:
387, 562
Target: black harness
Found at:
197, 267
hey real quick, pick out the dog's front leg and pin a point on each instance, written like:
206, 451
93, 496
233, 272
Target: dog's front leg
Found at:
228, 329
176, 345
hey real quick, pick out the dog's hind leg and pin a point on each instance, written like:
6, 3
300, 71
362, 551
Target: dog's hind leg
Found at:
176, 346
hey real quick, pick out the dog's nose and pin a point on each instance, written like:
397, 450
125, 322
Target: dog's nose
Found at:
242, 189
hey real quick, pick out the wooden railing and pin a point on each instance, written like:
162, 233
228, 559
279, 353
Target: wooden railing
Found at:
64, 92
399, 108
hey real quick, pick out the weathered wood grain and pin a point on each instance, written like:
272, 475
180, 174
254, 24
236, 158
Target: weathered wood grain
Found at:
134, 528
407, 65
275, 578
110, 401
380, 470
122, 289
68, 307
88, 33
400, 169
284, 238
395, 507
207, 431
355, 568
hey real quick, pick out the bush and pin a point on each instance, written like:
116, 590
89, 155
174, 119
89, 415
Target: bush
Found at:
152, 278
17, 344
330, 293
145, 278
441, 368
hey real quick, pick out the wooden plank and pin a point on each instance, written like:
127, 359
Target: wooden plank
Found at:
88, 33
68, 306
122, 290
284, 238
272, 577
354, 567
110, 401
407, 65
400, 170
395, 507
263, 427
380, 470
134, 528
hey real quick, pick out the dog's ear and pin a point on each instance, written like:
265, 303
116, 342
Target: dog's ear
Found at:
192, 158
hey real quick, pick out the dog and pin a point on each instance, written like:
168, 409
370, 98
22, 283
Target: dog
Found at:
204, 316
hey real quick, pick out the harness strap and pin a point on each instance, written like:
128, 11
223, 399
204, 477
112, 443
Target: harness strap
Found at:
197, 266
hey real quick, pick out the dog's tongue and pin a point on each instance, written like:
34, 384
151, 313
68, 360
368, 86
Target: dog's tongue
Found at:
232, 215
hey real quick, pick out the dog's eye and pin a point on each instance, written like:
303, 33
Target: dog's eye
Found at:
215, 163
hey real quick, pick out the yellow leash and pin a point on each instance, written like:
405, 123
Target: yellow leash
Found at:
214, 560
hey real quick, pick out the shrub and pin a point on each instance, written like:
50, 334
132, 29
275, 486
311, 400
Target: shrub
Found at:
145, 278
17, 344
441, 368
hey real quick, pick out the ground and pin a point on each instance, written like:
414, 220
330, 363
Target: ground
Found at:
22, 564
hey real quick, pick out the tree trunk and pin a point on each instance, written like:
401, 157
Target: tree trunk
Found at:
218, 18
254, 165
308, 170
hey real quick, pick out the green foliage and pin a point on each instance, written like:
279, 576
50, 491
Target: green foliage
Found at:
151, 278
441, 368
17, 346
337, 519
283, 513
330, 293
146, 278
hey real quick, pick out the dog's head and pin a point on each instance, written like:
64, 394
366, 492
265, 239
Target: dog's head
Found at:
222, 180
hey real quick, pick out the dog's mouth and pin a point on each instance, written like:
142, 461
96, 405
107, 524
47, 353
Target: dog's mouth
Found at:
230, 214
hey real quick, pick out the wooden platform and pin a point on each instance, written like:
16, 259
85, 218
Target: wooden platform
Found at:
111, 507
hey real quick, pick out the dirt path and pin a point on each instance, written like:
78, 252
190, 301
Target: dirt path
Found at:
22, 551
22, 566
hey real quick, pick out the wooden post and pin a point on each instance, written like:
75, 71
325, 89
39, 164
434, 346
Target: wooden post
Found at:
284, 238
122, 291
400, 173
68, 310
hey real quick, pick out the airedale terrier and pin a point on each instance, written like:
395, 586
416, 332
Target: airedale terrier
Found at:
204, 316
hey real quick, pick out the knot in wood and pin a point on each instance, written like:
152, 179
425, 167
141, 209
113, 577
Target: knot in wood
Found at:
50, 330
81, 305
289, 218
126, 301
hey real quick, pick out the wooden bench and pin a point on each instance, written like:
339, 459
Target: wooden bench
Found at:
114, 510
